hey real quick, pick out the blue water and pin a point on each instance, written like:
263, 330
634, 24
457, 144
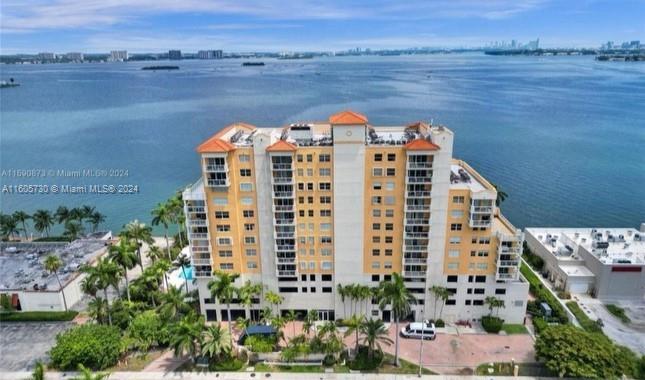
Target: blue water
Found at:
189, 273
563, 136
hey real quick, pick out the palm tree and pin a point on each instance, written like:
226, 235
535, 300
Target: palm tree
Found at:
124, 256
106, 273
340, 290
395, 294
291, 317
173, 304
223, 288
88, 374
242, 323
354, 324
154, 253
22, 217
439, 293
266, 314
86, 212
139, 233
501, 195
9, 227
215, 341
493, 303
182, 261
274, 299
61, 214
39, 372
161, 216
161, 268
186, 334
43, 221
52, 264
73, 230
176, 208
247, 293
310, 319
88, 286
374, 333
75, 214
97, 309
95, 220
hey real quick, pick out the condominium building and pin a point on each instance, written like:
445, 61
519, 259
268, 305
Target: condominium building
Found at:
174, 54
118, 56
310, 206
209, 54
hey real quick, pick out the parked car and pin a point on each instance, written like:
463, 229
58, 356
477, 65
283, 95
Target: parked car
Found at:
418, 330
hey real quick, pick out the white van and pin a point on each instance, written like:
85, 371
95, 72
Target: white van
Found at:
416, 330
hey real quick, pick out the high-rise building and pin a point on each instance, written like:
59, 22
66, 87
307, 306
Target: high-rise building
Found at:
46, 56
74, 56
209, 54
309, 207
118, 55
174, 54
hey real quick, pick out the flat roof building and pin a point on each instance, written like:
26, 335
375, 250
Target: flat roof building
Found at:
309, 206
608, 263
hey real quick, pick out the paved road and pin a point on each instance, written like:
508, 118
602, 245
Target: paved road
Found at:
22, 344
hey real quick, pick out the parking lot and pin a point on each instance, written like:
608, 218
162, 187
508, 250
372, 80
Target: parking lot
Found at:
22, 344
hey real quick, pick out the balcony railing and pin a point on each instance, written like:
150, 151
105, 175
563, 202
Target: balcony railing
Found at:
196, 222
282, 179
479, 223
417, 222
195, 209
286, 273
217, 182
197, 236
419, 179
509, 263
414, 260
283, 194
507, 276
197, 249
415, 248
202, 261
417, 207
417, 194
416, 235
285, 222
481, 209
283, 208
287, 248
284, 235
419, 165
216, 168
287, 260
408, 273
201, 273
281, 167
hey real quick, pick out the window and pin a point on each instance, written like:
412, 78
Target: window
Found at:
453, 266
376, 226
324, 158
376, 186
389, 213
312, 265
324, 172
325, 226
388, 239
310, 213
326, 289
244, 157
377, 172
376, 252
303, 289
378, 157
469, 291
376, 239
451, 279
389, 185
376, 200
310, 186
301, 213
376, 213
376, 278
303, 265
226, 266
478, 302
251, 252
455, 240
325, 212
252, 265
325, 239
325, 200
224, 241
390, 172
325, 252
301, 187
310, 158
324, 186
312, 289
326, 265
245, 172
468, 302
310, 172
458, 199
288, 290
299, 158
453, 253
246, 201
455, 227
388, 252
456, 214
220, 201
389, 200
519, 303
249, 240
500, 291
376, 265
482, 266
473, 253
249, 226
300, 172
223, 228
312, 277
482, 253
326, 277
484, 240
389, 226
479, 290
248, 213
387, 265
226, 253
246, 186
391, 157
480, 278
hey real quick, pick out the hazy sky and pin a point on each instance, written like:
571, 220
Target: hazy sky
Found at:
266, 25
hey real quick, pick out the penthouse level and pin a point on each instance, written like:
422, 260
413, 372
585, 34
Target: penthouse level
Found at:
309, 206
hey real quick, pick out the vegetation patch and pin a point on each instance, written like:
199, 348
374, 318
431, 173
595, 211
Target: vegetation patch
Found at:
511, 329
227, 363
94, 346
618, 312
506, 369
57, 239
259, 343
492, 324
38, 316
585, 322
544, 295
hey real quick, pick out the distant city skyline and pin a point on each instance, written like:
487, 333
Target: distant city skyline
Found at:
155, 26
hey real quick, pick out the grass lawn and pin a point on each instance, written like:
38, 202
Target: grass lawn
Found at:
618, 312
37, 316
506, 369
511, 329
137, 362
405, 368
261, 367
585, 322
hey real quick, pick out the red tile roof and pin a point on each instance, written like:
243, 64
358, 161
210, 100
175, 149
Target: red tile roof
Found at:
215, 145
281, 146
421, 144
348, 117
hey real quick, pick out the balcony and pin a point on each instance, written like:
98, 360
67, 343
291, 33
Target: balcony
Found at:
481, 209
285, 273
286, 260
202, 261
285, 222
212, 168
419, 165
414, 260
508, 263
425, 207
507, 276
479, 223
197, 236
218, 182
419, 179
283, 180
195, 209
416, 235
199, 249
287, 248
281, 167
284, 235
196, 222
283, 194
283, 208
415, 248
417, 194
408, 273
417, 222
201, 273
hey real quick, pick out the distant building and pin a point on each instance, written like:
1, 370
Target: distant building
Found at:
209, 54
608, 263
118, 55
74, 56
47, 56
174, 54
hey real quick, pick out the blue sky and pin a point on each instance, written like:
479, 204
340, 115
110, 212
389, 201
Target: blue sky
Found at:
31, 26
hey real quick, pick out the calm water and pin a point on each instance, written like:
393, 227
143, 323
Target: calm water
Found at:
564, 137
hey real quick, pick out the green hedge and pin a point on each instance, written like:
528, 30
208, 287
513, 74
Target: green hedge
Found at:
618, 312
492, 324
585, 322
539, 324
55, 239
38, 316
534, 260
95, 346
544, 295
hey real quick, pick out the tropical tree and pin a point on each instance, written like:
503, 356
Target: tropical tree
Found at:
176, 207
182, 261
22, 217
172, 303
501, 195
274, 299
161, 268
223, 288
39, 372
52, 264
106, 273
247, 293
493, 303
97, 309
398, 297
354, 324
95, 220
374, 334
242, 323
332, 344
61, 214
161, 216
43, 220
139, 233
154, 253
124, 256
439, 293
291, 317
340, 290
266, 314
88, 286
310, 320
73, 230
75, 214
215, 341
9, 227
185, 335
86, 213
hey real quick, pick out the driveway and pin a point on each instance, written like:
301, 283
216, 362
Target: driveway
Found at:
22, 344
